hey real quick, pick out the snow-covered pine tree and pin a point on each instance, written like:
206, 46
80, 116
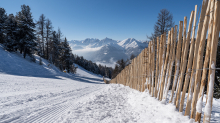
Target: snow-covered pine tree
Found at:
49, 27
26, 41
65, 58
55, 51
41, 30
3, 17
59, 35
11, 33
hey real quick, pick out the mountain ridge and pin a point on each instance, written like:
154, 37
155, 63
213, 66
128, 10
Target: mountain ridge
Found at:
106, 50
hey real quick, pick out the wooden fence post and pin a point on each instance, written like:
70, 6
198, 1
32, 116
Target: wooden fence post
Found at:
184, 39
165, 66
153, 66
171, 64
149, 59
177, 59
168, 63
157, 67
162, 62
145, 68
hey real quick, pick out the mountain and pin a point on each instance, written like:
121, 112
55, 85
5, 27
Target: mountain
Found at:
106, 51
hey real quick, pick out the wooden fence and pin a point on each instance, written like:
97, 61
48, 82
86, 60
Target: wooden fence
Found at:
180, 63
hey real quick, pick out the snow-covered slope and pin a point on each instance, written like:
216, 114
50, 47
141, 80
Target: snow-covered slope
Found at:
107, 51
33, 93
13, 63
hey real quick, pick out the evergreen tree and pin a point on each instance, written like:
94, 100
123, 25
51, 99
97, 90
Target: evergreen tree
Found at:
59, 35
49, 28
3, 17
26, 40
55, 53
66, 56
132, 56
164, 23
11, 33
41, 31
115, 71
121, 64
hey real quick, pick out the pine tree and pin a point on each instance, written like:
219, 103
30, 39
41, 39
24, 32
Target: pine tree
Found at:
163, 24
11, 33
48, 36
59, 35
3, 17
41, 31
66, 56
26, 41
55, 53
115, 71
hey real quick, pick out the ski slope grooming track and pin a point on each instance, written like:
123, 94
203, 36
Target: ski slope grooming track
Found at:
46, 103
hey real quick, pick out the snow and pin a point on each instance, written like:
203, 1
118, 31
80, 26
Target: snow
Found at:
208, 106
199, 105
33, 93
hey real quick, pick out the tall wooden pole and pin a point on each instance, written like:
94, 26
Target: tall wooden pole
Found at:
153, 66
163, 51
184, 39
165, 67
157, 67
168, 63
171, 64
177, 59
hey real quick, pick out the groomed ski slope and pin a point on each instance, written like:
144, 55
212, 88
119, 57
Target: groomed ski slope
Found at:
42, 94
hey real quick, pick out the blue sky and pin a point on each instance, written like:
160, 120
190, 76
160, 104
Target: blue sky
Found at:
116, 19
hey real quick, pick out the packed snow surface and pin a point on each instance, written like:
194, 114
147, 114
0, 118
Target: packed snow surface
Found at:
33, 93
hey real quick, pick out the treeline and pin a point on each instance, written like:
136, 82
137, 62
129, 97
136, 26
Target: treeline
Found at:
121, 64
19, 33
93, 67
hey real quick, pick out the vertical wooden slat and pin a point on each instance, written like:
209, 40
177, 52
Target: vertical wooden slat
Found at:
145, 68
171, 64
177, 59
184, 39
157, 66
153, 66
165, 67
162, 62
149, 59
135, 76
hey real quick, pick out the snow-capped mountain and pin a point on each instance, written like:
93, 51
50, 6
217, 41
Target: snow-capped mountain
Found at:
106, 51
